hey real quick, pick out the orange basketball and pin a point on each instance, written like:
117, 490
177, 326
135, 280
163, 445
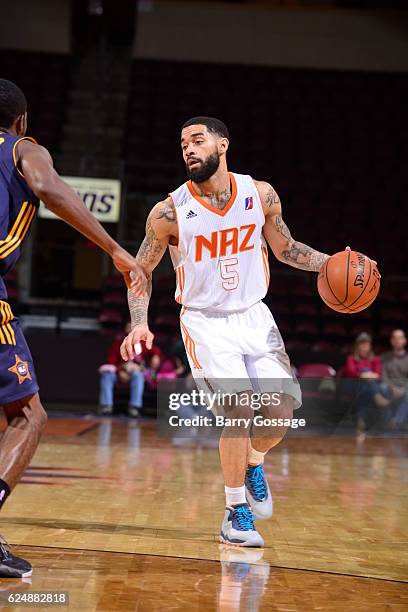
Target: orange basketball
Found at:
348, 282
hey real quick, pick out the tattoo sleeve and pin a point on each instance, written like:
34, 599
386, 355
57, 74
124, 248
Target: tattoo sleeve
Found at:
297, 254
138, 306
149, 255
271, 197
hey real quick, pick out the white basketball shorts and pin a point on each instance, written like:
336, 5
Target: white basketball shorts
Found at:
235, 352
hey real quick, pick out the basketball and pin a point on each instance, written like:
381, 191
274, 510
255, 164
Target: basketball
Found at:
348, 282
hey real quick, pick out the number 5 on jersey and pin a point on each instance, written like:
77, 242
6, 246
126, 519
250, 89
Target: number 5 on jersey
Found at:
229, 273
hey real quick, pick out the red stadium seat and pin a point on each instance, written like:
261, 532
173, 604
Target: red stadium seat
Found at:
316, 370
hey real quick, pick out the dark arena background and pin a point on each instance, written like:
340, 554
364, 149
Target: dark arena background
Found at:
315, 95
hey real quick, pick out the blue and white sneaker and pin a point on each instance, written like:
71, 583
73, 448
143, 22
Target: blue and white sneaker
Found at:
258, 492
238, 527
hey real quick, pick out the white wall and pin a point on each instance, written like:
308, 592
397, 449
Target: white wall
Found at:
35, 25
256, 35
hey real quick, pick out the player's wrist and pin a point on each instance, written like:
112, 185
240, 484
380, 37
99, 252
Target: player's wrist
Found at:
113, 249
325, 258
139, 326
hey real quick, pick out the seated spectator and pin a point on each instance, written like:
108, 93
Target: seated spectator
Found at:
131, 373
395, 375
157, 369
363, 373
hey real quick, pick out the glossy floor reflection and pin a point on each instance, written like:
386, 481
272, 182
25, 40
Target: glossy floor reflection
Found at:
242, 581
339, 532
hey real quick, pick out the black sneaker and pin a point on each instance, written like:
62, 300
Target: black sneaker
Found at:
11, 566
134, 412
105, 410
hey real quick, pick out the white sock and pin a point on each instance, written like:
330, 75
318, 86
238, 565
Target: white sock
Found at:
235, 495
255, 457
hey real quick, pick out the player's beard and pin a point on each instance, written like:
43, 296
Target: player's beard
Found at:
206, 169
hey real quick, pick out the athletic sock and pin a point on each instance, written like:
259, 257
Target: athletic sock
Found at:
255, 457
235, 495
4, 492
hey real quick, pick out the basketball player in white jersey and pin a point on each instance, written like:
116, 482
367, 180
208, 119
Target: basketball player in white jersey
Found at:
217, 226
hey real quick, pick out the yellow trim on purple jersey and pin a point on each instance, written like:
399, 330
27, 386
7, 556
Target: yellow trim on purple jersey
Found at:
7, 335
19, 230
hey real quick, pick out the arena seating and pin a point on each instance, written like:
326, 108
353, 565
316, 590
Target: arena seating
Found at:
316, 135
331, 153
45, 81
312, 331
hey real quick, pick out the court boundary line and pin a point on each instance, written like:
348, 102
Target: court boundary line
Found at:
283, 567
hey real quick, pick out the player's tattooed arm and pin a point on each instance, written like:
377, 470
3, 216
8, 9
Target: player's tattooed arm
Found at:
296, 253
139, 306
160, 226
277, 234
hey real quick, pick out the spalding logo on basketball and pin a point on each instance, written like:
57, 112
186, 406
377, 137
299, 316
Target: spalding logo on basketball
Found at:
348, 282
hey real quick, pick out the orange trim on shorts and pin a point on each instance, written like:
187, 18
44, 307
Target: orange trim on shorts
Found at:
181, 277
178, 285
222, 212
266, 265
189, 342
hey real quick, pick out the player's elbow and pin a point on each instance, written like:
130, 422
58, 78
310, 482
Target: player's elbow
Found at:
280, 255
45, 188
41, 190
283, 251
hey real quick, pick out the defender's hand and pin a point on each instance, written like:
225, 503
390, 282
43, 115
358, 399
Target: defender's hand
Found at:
138, 333
133, 274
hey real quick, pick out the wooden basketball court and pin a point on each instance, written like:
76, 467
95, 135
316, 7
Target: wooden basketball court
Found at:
124, 520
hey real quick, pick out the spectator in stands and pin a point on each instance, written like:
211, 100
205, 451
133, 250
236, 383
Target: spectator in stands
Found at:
159, 368
131, 373
395, 375
363, 370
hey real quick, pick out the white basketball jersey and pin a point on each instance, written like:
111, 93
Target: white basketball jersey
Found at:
221, 260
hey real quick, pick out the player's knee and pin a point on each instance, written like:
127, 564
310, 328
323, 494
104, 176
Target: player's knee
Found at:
281, 406
273, 418
239, 411
287, 407
43, 419
38, 417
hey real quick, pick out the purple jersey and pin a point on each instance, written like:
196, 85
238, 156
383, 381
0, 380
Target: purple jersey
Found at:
18, 206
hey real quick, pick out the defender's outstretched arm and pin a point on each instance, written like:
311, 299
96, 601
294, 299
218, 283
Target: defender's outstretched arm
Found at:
38, 170
277, 234
160, 226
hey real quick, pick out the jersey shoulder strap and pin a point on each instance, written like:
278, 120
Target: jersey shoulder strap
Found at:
180, 196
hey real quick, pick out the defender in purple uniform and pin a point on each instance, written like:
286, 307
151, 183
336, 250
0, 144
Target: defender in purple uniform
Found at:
26, 176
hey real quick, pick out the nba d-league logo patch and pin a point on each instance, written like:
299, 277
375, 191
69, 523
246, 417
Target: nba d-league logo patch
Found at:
249, 203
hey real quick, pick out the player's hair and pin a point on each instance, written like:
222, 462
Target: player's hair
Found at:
13, 103
213, 125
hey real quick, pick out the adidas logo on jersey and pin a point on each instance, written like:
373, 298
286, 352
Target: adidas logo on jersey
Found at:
191, 214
